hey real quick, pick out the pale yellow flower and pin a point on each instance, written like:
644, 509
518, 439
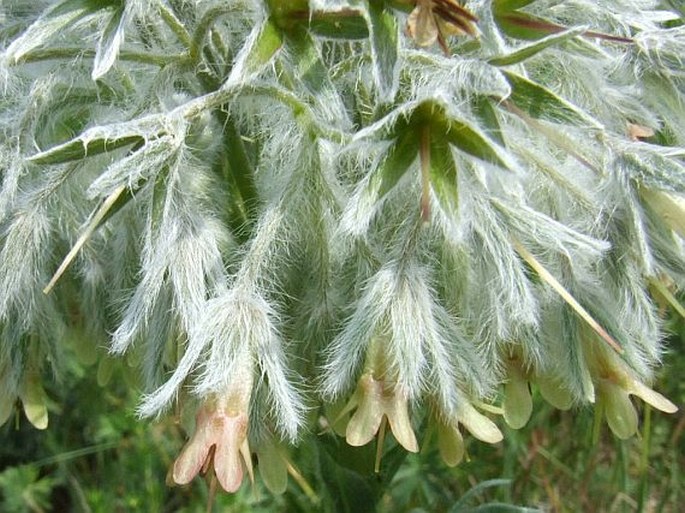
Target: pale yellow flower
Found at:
373, 400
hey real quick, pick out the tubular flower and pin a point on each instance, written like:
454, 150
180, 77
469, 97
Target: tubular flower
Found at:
219, 443
450, 440
614, 393
518, 403
435, 20
615, 384
373, 400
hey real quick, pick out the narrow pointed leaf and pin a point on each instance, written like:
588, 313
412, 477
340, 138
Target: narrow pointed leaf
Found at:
466, 137
260, 48
110, 42
443, 177
500, 6
529, 51
651, 168
55, 20
525, 26
541, 103
398, 158
487, 115
101, 139
384, 33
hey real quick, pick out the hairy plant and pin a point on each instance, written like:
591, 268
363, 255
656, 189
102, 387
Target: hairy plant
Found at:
341, 215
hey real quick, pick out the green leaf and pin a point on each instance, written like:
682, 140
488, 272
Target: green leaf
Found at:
308, 65
398, 158
384, 49
500, 6
475, 491
110, 41
541, 103
101, 139
487, 114
528, 51
525, 26
461, 133
260, 48
136, 167
650, 167
340, 467
342, 24
54, 21
443, 176
500, 507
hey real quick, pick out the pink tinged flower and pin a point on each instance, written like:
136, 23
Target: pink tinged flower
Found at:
373, 400
219, 445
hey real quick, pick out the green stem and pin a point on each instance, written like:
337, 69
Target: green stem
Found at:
76, 52
203, 27
644, 457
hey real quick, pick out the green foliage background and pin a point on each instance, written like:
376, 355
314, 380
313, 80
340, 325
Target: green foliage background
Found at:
98, 457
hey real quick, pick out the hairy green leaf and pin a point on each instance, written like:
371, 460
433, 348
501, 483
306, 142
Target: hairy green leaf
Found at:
541, 103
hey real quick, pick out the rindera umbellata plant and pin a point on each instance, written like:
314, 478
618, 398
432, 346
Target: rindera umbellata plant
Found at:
351, 215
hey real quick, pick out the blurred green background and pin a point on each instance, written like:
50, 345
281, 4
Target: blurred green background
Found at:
96, 456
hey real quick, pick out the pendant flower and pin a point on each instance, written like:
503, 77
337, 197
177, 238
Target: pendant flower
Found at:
614, 394
219, 444
615, 383
374, 400
450, 440
435, 20
518, 403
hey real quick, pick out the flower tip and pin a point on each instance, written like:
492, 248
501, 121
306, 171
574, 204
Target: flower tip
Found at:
450, 445
652, 397
480, 426
518, 404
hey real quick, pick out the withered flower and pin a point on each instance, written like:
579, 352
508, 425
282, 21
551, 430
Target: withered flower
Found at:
435, 20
